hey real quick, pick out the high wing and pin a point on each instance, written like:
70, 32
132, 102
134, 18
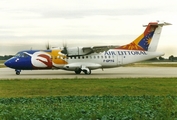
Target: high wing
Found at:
81, 51
99, 49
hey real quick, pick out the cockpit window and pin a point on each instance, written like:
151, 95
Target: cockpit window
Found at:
17, 55
21, 54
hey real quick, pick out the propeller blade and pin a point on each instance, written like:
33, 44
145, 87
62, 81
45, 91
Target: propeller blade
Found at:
48, 46
64, 51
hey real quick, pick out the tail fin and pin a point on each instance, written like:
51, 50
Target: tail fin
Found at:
149, 39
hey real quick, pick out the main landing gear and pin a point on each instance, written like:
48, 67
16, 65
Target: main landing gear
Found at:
86, 71
17, 72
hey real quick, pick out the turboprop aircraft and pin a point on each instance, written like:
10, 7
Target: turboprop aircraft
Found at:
85, 59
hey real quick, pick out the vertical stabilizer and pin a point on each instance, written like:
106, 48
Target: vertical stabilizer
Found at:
149, 39
155, 39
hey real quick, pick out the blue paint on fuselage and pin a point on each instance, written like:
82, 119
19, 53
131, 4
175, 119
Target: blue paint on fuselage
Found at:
21, 60
19, 63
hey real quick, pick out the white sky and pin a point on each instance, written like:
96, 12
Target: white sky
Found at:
26, 24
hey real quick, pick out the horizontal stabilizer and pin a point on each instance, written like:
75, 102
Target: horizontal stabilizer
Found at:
157, 23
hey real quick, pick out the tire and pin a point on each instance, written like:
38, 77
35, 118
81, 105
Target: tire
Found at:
17, 73
78, 71
87, 73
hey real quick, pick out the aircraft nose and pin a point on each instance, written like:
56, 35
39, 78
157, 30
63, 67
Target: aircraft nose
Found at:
7, 63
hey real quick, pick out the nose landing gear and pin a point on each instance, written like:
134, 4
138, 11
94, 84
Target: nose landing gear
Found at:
17, 72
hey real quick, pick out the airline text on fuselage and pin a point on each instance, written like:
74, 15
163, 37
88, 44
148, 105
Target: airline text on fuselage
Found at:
125, 53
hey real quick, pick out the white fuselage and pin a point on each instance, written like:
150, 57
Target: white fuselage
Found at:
109, 59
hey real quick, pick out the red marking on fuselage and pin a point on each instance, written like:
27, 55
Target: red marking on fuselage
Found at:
48, 63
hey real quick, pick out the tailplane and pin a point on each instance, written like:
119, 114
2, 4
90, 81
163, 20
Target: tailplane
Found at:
149, 39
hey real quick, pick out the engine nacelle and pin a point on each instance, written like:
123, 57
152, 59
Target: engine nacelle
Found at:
83, 66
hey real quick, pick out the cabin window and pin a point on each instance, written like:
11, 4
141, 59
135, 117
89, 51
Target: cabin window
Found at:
90, 57
105, 56
101, 56
86, 56
109, 56
78, 57
95, 57
98, 57
82, 57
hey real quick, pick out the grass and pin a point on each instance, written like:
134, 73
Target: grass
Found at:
2, 63
88, 87
89, 108
94, 99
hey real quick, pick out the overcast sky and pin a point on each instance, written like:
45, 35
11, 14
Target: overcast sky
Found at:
26, 24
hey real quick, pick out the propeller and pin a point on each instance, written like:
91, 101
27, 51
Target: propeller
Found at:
47, 46
64, 51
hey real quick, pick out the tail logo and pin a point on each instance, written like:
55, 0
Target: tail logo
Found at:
141, 43
144, 43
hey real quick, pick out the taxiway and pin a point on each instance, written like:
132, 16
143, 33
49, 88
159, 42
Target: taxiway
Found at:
120, 72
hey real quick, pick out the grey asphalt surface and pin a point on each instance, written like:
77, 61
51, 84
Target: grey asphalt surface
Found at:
120, 72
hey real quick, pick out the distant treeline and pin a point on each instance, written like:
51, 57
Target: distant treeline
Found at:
5, 57
169, 59
172, 58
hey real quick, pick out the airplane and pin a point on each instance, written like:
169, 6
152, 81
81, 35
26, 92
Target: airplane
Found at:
86, 59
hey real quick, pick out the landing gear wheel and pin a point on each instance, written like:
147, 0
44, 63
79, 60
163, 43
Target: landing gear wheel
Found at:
78, 71
87, 72
17, 72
